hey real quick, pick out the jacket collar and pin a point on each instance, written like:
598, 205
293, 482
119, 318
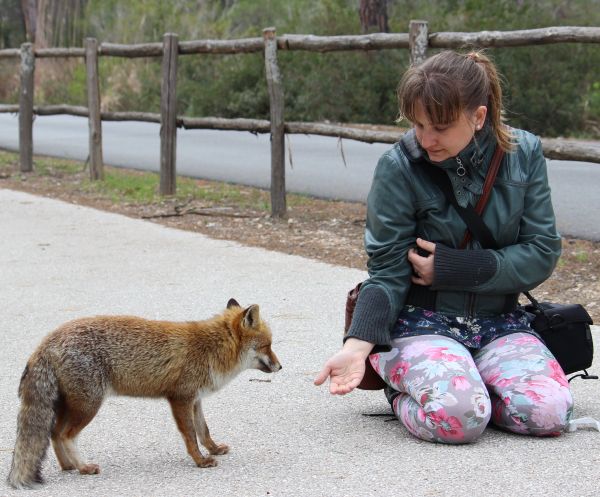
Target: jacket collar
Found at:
475, 158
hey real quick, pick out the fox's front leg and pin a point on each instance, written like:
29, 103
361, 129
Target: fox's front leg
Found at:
204, 434
183, 414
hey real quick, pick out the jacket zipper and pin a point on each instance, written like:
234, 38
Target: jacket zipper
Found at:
461, 171
471, 296
471, 305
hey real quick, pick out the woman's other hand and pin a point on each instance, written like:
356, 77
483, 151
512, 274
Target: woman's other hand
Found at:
423, 271
346, 368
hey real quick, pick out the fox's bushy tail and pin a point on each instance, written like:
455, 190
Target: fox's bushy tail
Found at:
39, 395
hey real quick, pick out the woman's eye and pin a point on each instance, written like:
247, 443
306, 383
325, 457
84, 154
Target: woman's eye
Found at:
440, 129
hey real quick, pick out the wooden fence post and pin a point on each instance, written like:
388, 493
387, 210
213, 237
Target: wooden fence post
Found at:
418, 41
278, 200
168, 115
26, 108
94, 118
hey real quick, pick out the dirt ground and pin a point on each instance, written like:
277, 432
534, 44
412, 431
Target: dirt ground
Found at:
329, 231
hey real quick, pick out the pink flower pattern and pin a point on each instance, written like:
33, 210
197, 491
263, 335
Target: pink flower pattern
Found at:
514, 381
461, 383
448, 427
398, 372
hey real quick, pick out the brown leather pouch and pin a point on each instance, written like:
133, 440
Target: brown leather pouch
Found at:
371, 380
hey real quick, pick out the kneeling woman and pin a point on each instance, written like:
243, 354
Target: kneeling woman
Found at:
457, 352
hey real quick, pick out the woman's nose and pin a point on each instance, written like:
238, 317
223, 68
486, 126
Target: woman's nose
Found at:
428, 139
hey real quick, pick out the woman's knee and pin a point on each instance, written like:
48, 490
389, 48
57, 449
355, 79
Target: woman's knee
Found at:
461, 423
541, 412
451, 423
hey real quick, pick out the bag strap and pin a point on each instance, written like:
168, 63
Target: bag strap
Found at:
533, 301
490, 179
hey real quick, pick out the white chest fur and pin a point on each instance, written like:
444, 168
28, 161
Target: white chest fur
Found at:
219, 379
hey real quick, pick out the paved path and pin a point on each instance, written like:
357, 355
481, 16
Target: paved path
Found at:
288, 438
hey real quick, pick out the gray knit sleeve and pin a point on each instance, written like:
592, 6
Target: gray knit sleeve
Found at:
371, 317
456, 269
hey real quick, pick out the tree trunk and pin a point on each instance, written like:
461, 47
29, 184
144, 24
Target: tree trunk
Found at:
29, 9
41, 28
52, 22
373, 13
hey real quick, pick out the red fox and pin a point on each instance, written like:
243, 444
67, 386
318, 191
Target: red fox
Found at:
76, 366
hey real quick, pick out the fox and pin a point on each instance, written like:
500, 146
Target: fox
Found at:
77, 365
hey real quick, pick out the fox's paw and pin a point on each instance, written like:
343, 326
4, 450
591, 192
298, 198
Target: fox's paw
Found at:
90, 469
218, 450
207, 462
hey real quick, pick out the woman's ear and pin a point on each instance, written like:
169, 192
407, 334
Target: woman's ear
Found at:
479, 116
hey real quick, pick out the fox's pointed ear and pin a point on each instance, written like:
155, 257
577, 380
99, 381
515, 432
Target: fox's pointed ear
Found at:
251, 318
232, 303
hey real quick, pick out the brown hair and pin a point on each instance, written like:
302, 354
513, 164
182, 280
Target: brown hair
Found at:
450, 83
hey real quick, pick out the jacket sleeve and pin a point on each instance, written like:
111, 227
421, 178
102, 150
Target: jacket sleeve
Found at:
390, 232
515, 268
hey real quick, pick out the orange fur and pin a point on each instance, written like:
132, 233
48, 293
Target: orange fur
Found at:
76, 366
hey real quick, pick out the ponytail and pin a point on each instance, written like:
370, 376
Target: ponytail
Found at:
495, 108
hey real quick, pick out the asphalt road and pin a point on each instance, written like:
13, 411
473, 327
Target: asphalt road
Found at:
320, 166
288, 438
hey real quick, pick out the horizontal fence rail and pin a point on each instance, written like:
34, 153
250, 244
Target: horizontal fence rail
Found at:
376, 41
553, 148
418, 40
520, 38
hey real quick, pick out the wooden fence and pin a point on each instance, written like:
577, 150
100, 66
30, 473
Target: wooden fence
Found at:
417, 40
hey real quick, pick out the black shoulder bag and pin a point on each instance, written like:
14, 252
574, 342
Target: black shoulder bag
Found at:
565, 328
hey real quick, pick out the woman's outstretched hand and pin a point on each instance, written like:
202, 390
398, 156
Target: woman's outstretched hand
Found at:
422, 266
346, 368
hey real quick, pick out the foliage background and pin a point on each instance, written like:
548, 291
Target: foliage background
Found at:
551, 90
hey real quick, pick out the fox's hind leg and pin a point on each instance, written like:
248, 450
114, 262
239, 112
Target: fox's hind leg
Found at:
183, 414
76, 417
57, 443
204, 434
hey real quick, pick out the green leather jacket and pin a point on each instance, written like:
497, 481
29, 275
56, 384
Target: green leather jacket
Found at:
404, 204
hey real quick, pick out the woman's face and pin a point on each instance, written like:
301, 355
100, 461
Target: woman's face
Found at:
444, 141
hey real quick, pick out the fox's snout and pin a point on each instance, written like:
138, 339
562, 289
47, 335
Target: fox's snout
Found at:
268, 363
275, 364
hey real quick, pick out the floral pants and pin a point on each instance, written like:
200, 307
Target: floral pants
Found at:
443, 393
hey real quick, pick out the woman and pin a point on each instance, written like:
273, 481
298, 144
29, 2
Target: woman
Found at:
449, 340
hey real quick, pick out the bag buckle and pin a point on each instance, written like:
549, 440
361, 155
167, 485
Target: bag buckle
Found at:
556, 320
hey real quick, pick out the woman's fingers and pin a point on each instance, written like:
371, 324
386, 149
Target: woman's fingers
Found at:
323, 375
426, 245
